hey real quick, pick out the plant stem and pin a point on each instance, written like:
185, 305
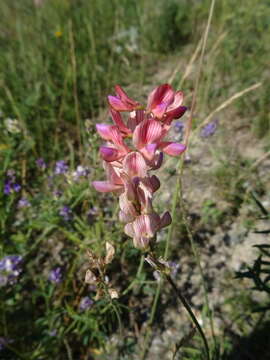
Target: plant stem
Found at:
190, 312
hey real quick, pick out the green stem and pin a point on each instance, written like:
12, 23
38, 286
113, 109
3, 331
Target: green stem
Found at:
136, 277
190, 312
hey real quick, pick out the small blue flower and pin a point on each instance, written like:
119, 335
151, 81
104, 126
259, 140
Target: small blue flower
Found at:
209, 129
10, 269
179, 127
60, 167
55, 275
41, 163
23, 203
10, 184
66, 213
85, 303
7, 187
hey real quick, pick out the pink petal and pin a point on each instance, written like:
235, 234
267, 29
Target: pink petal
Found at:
109, 153
162, 93
141, 242
171, 148
129, 230
149, 151
160, 110
125, 218
147, 132
146, 225
119, 122
112, 133
134, 164
136, 117
124, 97
126, 205
177, 112
118, 104
104, 131
177, 101
113, 174
105, 186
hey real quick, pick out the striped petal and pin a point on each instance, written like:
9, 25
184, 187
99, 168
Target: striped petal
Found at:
146, 225
135, 165
162, 93
147, 132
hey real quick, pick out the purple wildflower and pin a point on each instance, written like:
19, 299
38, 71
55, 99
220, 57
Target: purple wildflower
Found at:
85, 303
10, 269
60, 167
55, 275
179, 127
7, 187
10, 184
66, 213
16, 187
10, 263
209, 129
80, 172
23, 203
41, 163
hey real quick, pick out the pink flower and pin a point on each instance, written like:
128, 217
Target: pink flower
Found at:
133, 148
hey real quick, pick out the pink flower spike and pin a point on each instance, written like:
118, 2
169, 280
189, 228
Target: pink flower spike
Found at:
135, 165
171, 148
109, 153
124, 97
147, 132
105, 186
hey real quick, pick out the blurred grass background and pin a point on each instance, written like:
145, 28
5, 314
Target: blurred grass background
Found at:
59, 60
